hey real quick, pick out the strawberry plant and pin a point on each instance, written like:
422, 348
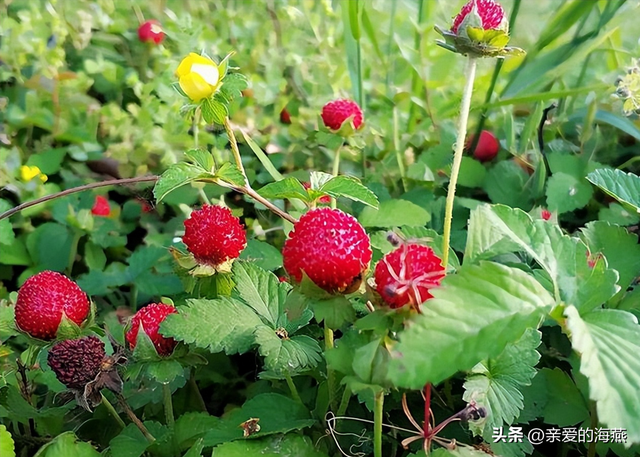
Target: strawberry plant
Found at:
252, 229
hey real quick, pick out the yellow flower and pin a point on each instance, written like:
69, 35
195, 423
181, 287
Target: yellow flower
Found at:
27, 173
199, 76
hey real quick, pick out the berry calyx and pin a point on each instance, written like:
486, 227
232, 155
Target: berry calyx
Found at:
151, 32
490, 13
330, 247
336, 112
150, 317
487, 147
44, 299
404, 276
77, 362
214, 236
325, 199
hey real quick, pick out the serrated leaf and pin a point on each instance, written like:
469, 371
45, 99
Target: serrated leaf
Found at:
498, 229
286, 188
7, 446
196, 449
67, 444
261, 290
394, 213
224, 324
474, 315
624, 187
566, 193
213, 111
129, 443
608, 342
234, 84
317, 179
496, 383
229, 173
351, 188
201, 158
333, 311
277, 414
192, 425
287, 355
278, 446
177, 176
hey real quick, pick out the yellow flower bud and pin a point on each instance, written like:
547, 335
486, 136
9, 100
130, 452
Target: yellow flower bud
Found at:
198, 76
27, 173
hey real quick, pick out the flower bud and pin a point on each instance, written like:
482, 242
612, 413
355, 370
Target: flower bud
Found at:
199, 77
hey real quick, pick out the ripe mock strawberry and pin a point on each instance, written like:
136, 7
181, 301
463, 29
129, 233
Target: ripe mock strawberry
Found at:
101, 206
490, 12
214, 236
406, 275
325, 199
77, 362
285, 117
487, 148
336, 112
331, 247
151, 32
151, 316
42, 301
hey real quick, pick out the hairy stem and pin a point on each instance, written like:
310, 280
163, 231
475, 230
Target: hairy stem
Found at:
134, 418
377, 423
168, 404
194, 386
336, 171
293, 389
107, 404
331, 380
427, 414
234, 149
470, 74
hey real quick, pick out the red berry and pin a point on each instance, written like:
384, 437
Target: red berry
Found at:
285, 117
42, 301
490, 12
487, 148
546, 214
77, 362
151, 316
331, 247
325, 199
336, 112
213, 235
151, 31
406, 275
101, 206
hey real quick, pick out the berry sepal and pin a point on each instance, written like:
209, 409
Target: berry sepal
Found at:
478, 42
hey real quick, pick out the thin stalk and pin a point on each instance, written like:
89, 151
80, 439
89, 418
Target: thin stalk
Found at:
168, 405
107, 404
344, 403
77, 234
427, 410
293, 388
195, 127
336, 171
123, 403
396, 146
457, 156
331, 378
234, 148
377, 423
415, 80
194, 386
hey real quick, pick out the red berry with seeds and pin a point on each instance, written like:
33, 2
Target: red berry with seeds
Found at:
101, 206
490, 12
150, 317
43, 300
77, 362
151, 32
335, 113
406, 275
330, 247
487, 148
214, 236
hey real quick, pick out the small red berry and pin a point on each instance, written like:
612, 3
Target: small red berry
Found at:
545, 214
77, 362
213, 235
487, 148
151, 32
101, 206
151, 316
336, 112
325, 199
330, 247
285, 117
42, 301
406, 275
490, 12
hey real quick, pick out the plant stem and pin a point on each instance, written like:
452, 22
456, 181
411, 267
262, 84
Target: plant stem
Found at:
293, 389
457, 156
194, 386
396, 146
259, 198
336, 171
377, 423
134, 418
234, 148
344, 403
328, 344
107, 404
195, 126
427, 410
77, 234
168, 404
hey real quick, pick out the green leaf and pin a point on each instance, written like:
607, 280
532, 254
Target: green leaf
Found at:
344, 186
201, 158
318, 179
287, 355
262, 254
233, 84
196, 449
506, 183
15, 254
333, 311
277, 414
565, 405
286, 188
213, 111
192, 425
224, 324
277, 446
176, 176
619, 247
6, 229
261, 290
229, 173
608, 342
394, 213
94, 257
50, 246
67, 444
7, 446
129, 443
496, 383
624, 187
472, 173
473, 316
566, 193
